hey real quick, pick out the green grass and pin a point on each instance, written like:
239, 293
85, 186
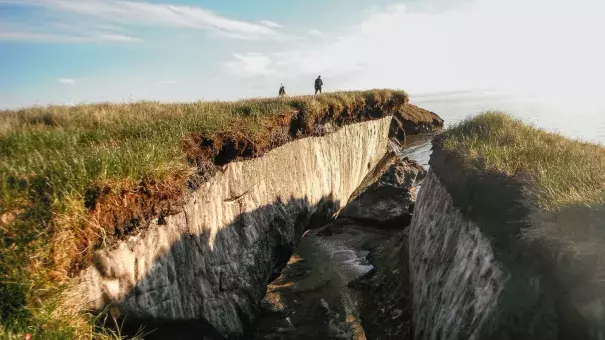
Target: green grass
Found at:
52, 159
564, 182
561, 171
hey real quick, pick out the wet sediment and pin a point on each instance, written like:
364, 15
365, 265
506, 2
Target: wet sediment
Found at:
311, 299
348, 279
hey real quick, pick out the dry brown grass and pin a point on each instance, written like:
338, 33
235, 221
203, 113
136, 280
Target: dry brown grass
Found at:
413, 120
417, 114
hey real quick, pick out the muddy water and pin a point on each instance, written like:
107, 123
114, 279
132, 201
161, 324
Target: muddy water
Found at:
418, 148
311, 300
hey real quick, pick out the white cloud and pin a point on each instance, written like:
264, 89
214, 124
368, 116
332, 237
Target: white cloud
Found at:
250, 64
547, 46
108, 27
63, 38
138, 13
165, 82
66, 81
523, 46
270, 24
114, 37
316, 33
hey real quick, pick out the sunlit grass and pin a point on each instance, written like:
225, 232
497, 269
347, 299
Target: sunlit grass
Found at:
561, 171
564, 181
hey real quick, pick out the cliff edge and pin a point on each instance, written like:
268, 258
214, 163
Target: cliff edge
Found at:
171, 213
506, 240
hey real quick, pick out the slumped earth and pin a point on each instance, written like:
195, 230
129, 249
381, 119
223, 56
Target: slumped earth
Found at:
329, 288
311, 299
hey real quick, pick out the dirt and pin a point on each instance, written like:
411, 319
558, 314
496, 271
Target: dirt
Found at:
120, 213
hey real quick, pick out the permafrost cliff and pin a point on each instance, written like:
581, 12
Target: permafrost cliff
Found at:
474, 275
211, 262
459, 271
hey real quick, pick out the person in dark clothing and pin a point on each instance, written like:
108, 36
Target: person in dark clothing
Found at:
318, 84
282, 91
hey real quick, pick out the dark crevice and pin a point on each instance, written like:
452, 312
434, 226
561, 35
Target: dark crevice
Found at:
240, 284
495, 203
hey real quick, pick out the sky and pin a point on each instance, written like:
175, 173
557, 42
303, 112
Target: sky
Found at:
83, 51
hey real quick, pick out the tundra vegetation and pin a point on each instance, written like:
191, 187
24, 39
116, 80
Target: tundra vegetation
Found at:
563, 183
560, 171
75, 178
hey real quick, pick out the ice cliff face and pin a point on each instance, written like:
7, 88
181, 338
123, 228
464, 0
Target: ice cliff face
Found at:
473, 273
210, 263
456, 281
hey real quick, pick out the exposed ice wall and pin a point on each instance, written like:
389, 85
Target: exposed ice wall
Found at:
456, 281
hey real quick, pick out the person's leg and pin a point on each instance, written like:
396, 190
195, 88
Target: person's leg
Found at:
316, 89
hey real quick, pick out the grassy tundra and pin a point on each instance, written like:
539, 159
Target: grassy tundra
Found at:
540, 199
561, 171
563, 192
72, 179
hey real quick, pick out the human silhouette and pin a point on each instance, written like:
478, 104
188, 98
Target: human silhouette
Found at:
282, 91
318, 84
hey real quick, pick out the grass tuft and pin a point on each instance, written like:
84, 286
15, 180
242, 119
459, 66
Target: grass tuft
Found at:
561, 171
564, 180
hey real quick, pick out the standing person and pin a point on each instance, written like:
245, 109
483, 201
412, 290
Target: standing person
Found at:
282, 91
318, 84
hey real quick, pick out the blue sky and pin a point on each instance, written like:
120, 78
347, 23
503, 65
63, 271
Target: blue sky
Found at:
73, 51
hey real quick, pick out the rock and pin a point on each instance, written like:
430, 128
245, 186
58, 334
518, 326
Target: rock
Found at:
388, 201
395, 146
396, 131
386, 298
